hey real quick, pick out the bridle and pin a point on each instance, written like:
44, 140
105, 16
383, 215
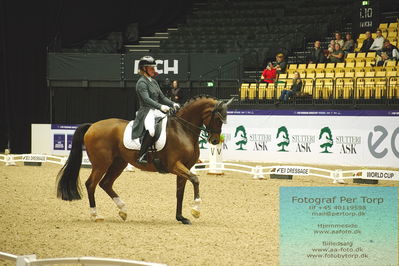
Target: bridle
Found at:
206, 128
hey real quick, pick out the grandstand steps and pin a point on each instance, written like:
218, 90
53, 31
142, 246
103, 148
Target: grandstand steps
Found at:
149, 43
253, 75
154, 38
162, 34
298, 57
144, 46
347, 28
389, 16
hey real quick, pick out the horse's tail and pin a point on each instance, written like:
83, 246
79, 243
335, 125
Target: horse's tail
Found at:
68, 187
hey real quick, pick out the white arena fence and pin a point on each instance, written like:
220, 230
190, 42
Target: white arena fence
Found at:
31, 260
257, 172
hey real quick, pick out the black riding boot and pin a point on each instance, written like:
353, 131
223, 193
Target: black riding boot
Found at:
147, 142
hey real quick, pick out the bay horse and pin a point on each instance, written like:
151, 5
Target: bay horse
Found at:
109, 157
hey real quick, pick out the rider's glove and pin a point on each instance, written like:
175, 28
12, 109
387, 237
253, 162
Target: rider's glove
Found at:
165, 108
176, 106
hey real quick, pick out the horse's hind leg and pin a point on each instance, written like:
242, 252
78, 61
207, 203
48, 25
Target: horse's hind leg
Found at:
113, 172
91, 184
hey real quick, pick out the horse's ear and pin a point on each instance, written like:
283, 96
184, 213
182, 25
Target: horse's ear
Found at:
229, 101
218, 104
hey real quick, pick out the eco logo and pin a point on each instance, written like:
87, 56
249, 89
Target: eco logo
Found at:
285, 138
327, 138
375, 142
203, 139
241, 134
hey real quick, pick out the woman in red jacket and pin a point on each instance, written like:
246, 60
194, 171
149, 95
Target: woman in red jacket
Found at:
269, 74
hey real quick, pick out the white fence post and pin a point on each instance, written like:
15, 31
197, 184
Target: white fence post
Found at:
10, 160
337, 175
215, 159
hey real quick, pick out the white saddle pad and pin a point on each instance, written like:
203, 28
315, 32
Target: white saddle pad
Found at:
134, 144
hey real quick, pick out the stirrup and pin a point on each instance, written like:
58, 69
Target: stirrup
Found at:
142, 159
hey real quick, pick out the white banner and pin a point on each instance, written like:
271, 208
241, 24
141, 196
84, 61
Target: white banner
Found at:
315, 140
380, 174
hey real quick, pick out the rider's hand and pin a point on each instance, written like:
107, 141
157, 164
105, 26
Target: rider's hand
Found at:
176, 106
165, 108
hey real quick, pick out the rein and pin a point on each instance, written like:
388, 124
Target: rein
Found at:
190, 126
193, 127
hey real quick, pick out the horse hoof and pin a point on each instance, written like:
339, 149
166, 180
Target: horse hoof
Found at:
97, 218
184, 220
123, 215
195, 213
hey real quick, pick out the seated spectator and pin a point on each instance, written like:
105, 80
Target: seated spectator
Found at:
317, 54
378, 43
331, 46
337, 56
338, 39
296, 87
349, 44
280, 65
388, 52
367, 42
269, 74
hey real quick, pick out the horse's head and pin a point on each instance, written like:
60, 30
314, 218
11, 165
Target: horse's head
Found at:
214, 121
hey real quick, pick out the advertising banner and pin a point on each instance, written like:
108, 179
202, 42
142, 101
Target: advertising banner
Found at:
366, 138
174, 66
179, 66
62, 138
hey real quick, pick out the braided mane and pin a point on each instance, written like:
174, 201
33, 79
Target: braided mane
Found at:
195, 99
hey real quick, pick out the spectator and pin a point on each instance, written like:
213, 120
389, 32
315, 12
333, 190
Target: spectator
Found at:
378, 42
349, 44
280, 65
175, 92
331, 46
337, 56
367, 42
338, 39
388, 52
317, 54
269, 74
296, 87
166, 85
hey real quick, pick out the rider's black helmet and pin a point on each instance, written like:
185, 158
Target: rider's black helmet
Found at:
146, 61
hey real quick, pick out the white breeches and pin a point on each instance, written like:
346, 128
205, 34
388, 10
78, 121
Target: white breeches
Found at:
149, 121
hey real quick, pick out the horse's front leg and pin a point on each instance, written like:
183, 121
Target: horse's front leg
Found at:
181, 171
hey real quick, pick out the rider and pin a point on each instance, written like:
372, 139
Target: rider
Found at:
150, 98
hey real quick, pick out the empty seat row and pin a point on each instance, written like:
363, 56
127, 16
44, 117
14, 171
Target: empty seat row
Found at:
320, 66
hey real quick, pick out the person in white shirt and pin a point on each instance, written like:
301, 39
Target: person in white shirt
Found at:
338, 39
378, 42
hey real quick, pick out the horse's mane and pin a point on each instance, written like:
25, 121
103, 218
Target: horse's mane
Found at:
196, 98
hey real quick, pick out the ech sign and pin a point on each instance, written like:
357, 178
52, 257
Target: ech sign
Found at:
163, 66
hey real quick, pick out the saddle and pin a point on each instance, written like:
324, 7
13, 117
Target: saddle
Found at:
160, 135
